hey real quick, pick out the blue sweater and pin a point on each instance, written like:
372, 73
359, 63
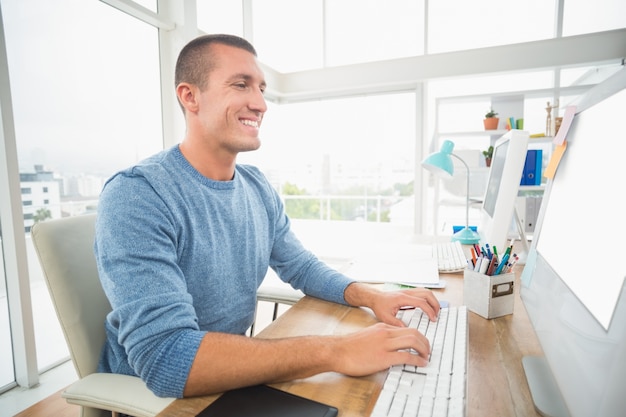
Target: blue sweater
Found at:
180, 255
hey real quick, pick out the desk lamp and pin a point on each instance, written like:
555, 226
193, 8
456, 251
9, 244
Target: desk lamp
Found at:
440, 164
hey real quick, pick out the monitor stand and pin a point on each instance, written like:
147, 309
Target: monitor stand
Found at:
522, 235
546, 396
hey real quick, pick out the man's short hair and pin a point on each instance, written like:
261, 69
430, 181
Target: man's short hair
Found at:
195, 60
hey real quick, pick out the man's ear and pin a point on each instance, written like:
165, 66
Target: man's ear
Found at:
187, 96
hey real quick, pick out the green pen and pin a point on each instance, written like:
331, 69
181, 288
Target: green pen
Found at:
495, 251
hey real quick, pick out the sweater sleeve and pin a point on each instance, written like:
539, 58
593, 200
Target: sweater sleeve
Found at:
299, 267
152, 329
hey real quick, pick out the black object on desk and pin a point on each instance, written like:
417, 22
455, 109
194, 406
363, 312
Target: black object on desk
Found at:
265, 401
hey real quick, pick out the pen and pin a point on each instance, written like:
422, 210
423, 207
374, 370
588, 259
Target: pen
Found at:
473, 256
484, 265
512, 264
502, 264
489, 255
492, 265
495, 250
478, 262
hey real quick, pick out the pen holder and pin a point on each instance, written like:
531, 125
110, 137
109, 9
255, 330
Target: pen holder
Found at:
488, 296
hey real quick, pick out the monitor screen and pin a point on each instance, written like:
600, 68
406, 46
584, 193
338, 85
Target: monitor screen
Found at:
507, 165
573, 282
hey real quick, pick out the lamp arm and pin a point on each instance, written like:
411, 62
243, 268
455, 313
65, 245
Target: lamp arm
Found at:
466, 190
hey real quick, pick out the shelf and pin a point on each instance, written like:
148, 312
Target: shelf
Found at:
511, 104
531, 190
541, 139
498, 132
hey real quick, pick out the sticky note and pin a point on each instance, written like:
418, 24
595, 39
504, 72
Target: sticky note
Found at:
570, 112
557, 154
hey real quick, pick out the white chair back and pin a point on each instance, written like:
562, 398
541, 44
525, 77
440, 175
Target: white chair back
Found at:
65, 251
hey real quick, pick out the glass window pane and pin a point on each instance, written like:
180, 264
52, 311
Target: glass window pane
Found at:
455, 25
7, 374
583, 16
288, 35
148, 4
373, 30
86, 103
360, 146
220, 16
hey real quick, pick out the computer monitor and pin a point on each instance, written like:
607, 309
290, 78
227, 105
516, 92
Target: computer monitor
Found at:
507, 165
573, 281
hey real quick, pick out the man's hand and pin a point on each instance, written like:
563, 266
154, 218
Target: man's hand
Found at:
386, 305
378, 347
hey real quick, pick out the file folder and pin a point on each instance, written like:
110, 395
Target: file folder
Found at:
531, 175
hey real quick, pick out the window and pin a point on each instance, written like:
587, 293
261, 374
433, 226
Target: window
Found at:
7, 373
582, 16
379, 30
220, 17
315, 35
97, 110
365, 147
299, 44
459, 25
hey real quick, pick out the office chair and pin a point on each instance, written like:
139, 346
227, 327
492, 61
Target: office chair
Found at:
277, 295
65, 251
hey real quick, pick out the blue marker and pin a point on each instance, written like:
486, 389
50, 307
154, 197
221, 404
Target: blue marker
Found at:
502, 264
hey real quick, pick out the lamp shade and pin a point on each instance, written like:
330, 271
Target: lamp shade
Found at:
440, 163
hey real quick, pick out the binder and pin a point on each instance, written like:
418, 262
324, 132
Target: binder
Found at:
531, 175
530, 167
539, 167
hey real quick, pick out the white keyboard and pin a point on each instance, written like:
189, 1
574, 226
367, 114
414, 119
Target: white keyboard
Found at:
450, 256
438, 389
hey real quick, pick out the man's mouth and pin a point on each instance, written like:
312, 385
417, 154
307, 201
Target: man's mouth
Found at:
253, 123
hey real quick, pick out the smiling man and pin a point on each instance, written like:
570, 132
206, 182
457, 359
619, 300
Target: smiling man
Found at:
184, 239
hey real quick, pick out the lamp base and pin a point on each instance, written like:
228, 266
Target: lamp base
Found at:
466, 236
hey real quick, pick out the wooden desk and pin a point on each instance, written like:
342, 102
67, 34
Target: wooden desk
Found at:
496, 381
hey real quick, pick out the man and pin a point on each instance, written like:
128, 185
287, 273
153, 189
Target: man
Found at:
184, 239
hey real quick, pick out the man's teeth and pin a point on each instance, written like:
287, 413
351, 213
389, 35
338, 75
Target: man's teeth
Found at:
250, 123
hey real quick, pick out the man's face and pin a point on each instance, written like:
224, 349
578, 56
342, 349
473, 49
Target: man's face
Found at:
232, 105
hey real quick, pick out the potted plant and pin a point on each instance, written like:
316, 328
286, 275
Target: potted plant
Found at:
491, 121
488, 155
